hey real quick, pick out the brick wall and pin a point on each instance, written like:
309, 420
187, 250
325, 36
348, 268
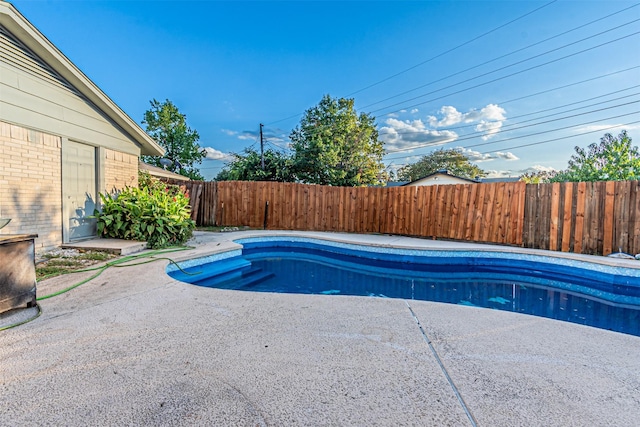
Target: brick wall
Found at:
30, 184
120, 170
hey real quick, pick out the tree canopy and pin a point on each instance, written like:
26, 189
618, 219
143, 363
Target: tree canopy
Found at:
613, 159
248, 167
538, 177
168, 127
453, 160
334, 145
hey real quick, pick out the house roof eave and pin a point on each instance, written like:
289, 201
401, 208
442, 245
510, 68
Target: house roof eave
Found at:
159, 172
32, 38
473, 181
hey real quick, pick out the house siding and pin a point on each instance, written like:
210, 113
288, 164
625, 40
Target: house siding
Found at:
35, 96
30, 190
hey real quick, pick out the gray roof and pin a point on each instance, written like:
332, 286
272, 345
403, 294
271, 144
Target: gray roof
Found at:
500, 179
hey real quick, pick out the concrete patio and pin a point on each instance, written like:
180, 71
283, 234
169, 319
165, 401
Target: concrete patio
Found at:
135, 347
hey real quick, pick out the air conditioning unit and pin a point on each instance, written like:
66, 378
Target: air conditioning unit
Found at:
17, 271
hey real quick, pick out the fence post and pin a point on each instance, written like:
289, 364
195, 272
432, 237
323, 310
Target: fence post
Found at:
266, 214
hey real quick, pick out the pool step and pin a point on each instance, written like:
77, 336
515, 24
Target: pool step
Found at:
219, 270
239, 279
247, 278
257, 276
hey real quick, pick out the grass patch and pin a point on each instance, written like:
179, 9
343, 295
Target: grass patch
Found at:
57, 263
95, 256
63, 262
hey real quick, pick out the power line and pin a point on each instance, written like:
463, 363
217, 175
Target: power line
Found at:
452, 49
276, 147
553, 130
555, 89
441, 142
538, 142
511, 127
432, 58
513, 52
579, 102
496, 79
468, 69
569, 85
567, 137
546, 141
472, 136
506, 127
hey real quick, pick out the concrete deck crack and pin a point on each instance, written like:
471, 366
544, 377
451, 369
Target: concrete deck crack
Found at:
466, 410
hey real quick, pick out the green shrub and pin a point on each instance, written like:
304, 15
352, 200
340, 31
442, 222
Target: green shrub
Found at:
154, 212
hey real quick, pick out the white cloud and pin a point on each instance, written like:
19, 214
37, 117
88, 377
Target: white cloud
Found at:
490, 128
500, 174
213, 154
489, 118
536, 169
511, 173
405, 135
451, 116
506, 156
490, 112
476, 156
392, 115
245, 135
414, 111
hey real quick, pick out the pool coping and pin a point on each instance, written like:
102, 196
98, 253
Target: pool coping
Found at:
402, 242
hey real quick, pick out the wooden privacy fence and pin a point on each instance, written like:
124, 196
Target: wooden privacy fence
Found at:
593, 218
583, 217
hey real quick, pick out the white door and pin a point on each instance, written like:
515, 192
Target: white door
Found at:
78, 190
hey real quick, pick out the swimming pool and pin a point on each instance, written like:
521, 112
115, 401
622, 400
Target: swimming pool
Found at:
592, 294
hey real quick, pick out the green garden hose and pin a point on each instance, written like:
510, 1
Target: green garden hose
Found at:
99, 270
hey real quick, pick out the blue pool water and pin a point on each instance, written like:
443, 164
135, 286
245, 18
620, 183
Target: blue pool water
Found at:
594, 295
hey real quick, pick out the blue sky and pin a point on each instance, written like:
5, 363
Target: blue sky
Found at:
496, 78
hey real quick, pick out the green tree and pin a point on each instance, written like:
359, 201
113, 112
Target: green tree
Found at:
453, 160
168, 127
538, 177
333, 145
614, 159
248, 167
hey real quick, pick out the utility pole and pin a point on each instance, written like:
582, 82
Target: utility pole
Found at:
261, 147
